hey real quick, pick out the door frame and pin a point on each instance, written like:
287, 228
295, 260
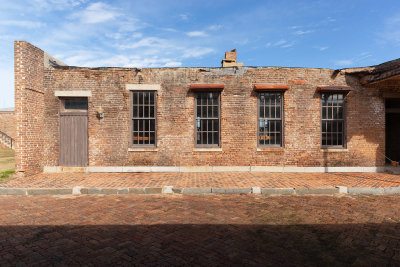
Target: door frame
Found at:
81, 112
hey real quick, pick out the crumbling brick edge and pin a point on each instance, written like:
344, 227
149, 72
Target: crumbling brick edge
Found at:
80, 190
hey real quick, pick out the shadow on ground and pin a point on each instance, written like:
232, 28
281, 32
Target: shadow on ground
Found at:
208, 245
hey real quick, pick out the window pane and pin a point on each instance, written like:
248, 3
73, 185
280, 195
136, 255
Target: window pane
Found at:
204, 111
144, 123
216, 138
332, 130
215, 111
204, 99
135, 100
209, 125
152, 112
270, 118
140, 96
76, 103
207, 132
152, 95
152, 138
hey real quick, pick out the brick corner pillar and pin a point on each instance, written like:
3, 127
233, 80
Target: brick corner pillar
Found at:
29, 108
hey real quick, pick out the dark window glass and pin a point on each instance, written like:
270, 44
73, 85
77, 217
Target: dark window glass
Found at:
207, 119
144, 118
79, 103
270, 119
332, 120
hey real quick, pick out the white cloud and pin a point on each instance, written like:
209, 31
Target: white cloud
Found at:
344, 62
215, 27
197, 52
184, 16
287, 45
22, 23
56, 4
7, 88
96, 13
196, 34
321, 48
300, 32
151, 42
280, 42
173, 64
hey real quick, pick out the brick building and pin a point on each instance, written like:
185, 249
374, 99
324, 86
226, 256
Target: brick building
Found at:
7, 127
234, 118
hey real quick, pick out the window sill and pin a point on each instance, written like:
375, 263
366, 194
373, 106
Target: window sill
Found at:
343, 150
270, 149
207, 149
142, 149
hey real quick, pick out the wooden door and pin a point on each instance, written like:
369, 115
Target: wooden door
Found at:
74, 133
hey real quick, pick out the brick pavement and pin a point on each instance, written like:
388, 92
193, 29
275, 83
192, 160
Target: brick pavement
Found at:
211, 230
218, 179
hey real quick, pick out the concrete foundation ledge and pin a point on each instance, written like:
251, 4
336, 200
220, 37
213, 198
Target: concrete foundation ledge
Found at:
277, 191
196, 191
116, 169
49, 191
153, 190
12, 191
391, 190
316, 191
366, 190
231, 190
79, 190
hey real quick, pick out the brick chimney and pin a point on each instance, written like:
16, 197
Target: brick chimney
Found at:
230, 59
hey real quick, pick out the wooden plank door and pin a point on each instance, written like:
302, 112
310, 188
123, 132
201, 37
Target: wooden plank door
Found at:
73, 137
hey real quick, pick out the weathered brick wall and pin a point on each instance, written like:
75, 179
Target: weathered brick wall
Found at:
7, 123
109, 137
29, 106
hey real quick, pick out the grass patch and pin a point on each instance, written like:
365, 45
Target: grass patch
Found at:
6, 176
7, 164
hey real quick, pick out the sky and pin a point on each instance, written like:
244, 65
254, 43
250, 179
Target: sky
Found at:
185, 33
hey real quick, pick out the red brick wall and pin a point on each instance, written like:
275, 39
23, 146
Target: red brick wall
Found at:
37, 116
7, 123
29, 106
109, 137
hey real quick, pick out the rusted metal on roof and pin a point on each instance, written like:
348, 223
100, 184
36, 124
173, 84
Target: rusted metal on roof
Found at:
199, 87
270, 87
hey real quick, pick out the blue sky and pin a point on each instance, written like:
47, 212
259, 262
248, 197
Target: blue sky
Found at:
156, 33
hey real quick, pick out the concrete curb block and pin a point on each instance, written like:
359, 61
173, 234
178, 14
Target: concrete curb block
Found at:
231, 190
342, 189
366, 190
167, 189
196, 191
48, 191
13, 191
256, 190
80, 190
316, 191
153, 190
277, 191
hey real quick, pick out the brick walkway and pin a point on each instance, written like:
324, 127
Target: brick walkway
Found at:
192, 180
213, 230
